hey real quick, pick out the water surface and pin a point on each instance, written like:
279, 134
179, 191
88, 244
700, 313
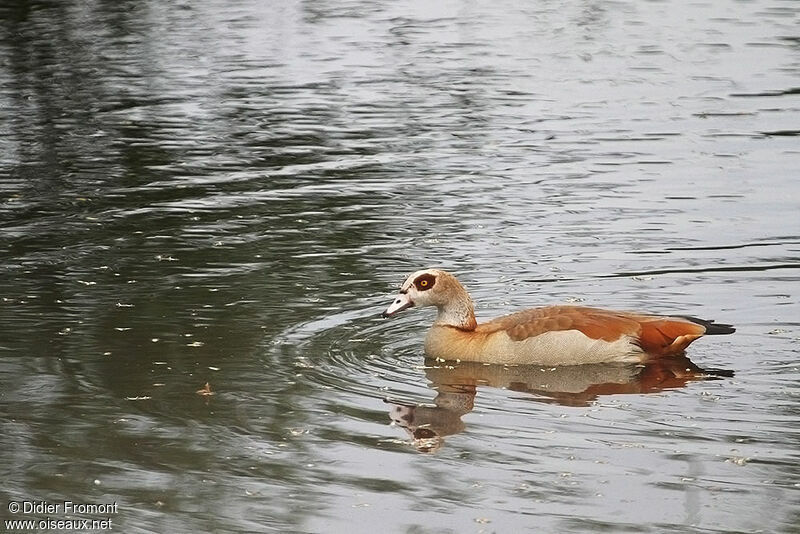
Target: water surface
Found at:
197, 193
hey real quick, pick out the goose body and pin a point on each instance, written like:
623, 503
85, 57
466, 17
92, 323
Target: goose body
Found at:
553, 335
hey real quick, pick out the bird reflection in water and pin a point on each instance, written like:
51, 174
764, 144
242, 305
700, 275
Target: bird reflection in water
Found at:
576, 385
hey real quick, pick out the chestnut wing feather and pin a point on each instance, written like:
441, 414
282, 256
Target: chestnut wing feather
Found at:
594, 323
661, 335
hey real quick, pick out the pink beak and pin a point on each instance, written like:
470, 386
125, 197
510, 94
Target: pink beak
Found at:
402, 302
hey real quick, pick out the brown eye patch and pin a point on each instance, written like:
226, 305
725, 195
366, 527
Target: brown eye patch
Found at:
424, 282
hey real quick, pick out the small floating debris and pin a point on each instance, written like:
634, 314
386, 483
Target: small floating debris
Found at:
737, 460
87, 283
121, 305
302, 363
195, 344
122, 329
140, 398
205, 391
213, 368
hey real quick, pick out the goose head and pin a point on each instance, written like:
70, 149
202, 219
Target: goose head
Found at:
434, 287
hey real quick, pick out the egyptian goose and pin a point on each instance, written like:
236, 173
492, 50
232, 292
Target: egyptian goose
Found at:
553, 335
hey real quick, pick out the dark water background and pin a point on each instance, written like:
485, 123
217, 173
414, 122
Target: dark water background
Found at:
229, 192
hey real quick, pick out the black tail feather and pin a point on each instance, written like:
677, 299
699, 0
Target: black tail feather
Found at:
712, 328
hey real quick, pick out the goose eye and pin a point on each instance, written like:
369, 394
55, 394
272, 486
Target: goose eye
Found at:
425, 282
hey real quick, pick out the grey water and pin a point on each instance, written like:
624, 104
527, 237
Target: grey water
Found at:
229, 193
